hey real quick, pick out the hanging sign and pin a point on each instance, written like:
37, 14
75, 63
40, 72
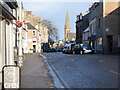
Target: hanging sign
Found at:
11, 77
18, 24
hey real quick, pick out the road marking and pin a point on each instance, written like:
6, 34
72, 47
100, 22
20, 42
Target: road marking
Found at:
58, 80
69, 54
112, 71
72, 59
101, 61
60, 77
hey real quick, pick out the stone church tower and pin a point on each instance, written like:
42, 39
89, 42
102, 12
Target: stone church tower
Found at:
66, 27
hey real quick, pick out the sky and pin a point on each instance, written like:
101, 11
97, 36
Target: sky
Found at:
56, 11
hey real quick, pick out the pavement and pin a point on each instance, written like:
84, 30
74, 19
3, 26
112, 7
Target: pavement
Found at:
0, 80
85, 71
34, 74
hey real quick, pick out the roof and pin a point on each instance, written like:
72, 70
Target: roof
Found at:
37, 18
30, 26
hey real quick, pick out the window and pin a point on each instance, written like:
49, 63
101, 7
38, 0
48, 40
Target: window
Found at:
34, 33
99, 23
118, 41
34, 41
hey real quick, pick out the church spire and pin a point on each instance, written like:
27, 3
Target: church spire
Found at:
66, 27
67, 21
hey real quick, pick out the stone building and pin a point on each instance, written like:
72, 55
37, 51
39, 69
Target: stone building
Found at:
68, 35
79, 30
95, 26
33, 33
32, 38
104, 27
67, 28
104, 33
71, 36
37, 33
111, 28
82, 23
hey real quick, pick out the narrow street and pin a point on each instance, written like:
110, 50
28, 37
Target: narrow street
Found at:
85, 71
34, 73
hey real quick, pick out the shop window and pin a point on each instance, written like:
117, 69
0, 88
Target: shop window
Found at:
99, 23
118, 41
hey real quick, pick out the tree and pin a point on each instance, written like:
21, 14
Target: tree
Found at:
52, 29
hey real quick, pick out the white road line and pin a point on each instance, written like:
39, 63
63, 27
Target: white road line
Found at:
60, 77
56, 80
112, 71
69, 54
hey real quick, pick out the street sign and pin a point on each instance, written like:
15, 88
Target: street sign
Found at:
11, 77
107, 29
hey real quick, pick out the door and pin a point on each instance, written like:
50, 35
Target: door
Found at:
109, 44
34, 48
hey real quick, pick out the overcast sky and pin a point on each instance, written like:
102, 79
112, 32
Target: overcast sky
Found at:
56, 11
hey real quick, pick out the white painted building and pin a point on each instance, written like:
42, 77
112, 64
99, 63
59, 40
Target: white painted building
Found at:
7, 29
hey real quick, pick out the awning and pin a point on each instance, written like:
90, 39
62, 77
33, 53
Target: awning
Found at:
6, 14
86, 30
12, 3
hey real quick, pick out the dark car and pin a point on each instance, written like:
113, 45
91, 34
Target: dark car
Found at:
82, 48
50, 50
53, 50
59, 49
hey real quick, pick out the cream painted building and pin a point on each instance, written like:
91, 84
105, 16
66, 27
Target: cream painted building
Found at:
32, 39
36, 32
7, 30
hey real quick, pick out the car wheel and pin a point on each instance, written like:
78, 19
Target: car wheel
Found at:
81, 52
73, 52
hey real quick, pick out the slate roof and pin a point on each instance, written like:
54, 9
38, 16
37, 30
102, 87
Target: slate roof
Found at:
30, 26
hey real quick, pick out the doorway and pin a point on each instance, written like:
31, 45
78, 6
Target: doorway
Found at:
109, 44
34, 48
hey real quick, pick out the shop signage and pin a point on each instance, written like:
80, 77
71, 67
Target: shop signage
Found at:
11, 77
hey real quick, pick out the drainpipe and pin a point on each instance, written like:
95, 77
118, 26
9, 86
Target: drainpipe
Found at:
16, 47
20, 32
20, 58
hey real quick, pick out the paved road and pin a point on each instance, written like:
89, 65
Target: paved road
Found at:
34, 73
85, 71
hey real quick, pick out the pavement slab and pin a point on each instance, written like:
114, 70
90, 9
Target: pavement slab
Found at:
34, 73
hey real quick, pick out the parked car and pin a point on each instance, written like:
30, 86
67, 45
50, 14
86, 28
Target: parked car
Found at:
59, 49
82, 48
53, 50
68, 48
64, 49
50, 50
